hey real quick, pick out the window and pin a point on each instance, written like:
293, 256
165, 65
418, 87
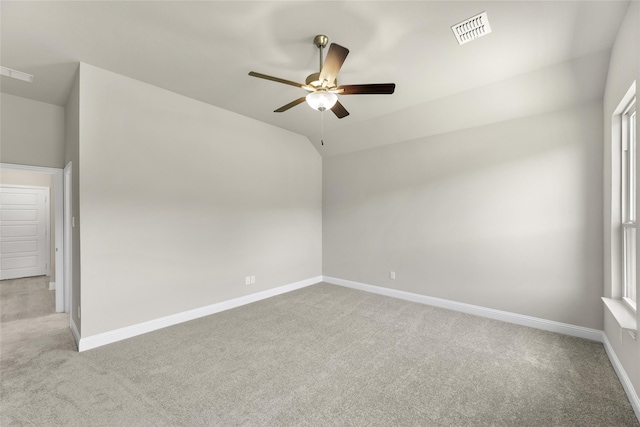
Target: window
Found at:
628, 181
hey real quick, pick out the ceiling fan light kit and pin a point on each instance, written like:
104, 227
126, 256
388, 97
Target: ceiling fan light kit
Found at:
323, 86
321, 100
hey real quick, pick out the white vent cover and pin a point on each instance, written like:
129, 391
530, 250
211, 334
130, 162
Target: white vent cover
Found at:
472, 28
15, 74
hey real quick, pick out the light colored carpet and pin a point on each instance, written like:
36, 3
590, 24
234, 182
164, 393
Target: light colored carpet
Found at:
320, 356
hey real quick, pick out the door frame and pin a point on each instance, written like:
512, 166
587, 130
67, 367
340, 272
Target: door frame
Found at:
68, 237
58, 197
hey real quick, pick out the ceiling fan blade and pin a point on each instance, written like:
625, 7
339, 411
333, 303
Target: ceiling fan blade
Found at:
370, 89
333, 62
339, 110
275, 79
290, 105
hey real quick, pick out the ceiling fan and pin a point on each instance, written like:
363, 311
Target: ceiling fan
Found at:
323, 86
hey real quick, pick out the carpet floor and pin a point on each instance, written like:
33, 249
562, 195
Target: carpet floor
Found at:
319, 356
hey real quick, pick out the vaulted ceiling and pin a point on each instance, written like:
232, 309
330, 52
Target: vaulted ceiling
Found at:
541, 55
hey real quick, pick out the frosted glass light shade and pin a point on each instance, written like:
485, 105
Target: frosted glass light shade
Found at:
322, 100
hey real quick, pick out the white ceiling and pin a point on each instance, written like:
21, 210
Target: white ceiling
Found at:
541, 55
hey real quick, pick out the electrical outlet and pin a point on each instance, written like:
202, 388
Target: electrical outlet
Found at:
392, 275
253, 280
247, 280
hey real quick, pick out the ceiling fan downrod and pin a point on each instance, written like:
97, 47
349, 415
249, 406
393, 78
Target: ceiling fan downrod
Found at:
321, 42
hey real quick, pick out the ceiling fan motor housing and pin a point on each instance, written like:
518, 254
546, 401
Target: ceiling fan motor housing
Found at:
313, 80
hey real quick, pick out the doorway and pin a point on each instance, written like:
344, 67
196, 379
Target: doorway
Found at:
57, 198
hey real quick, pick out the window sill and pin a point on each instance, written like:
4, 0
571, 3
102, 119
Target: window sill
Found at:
623, 315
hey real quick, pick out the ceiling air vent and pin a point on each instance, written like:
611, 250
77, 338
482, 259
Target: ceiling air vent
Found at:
472, 28
15, 74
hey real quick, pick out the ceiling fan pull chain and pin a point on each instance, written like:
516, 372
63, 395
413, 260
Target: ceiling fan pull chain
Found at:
322, 127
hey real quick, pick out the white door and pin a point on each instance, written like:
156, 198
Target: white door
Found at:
24, 235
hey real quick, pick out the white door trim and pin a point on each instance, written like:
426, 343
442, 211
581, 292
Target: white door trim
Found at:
68, 236
59, 224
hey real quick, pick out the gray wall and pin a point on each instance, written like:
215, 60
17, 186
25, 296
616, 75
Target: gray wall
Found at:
32, 132
624, 68
180, 200
505, 216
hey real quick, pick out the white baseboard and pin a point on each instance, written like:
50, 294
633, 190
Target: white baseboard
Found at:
99, 340
52, 286
622, 375
505, 316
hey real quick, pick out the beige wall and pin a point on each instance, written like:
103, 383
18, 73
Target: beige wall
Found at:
32, 132
505, 216
624, 68
180, 200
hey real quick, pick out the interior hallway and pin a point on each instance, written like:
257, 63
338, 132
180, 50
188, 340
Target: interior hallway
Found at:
27, 315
